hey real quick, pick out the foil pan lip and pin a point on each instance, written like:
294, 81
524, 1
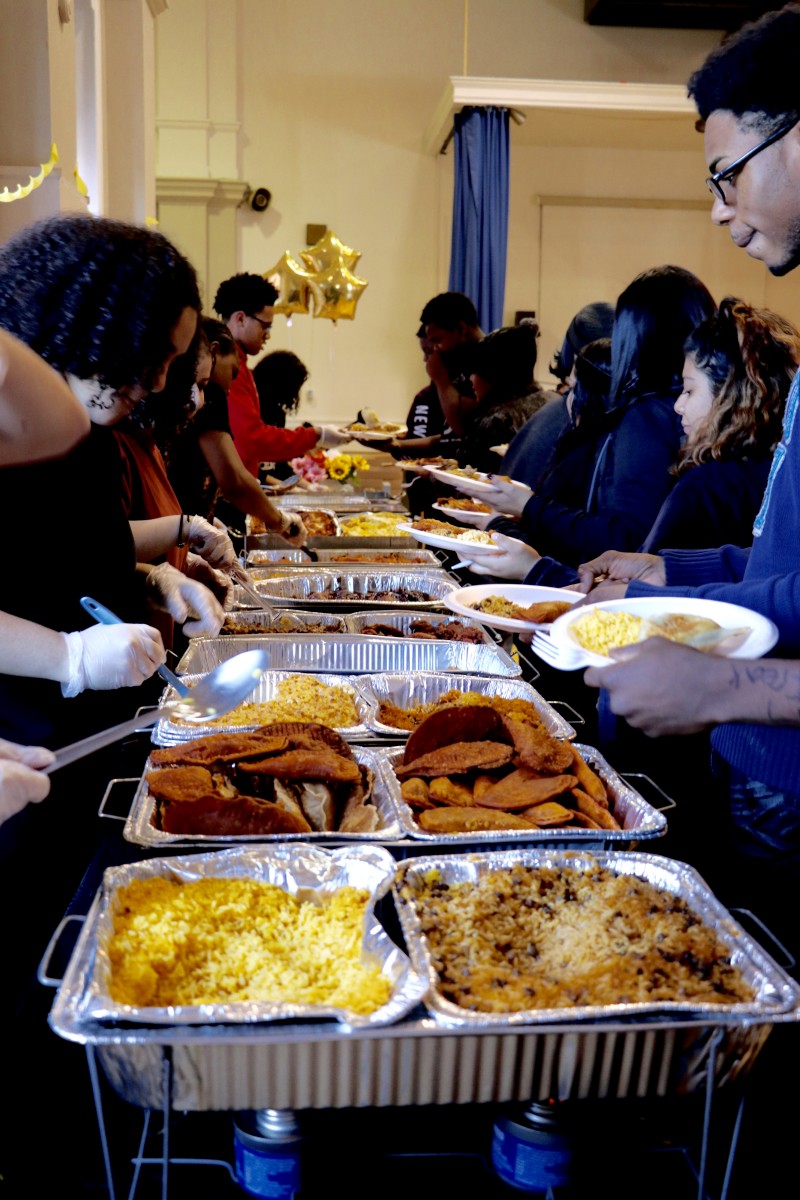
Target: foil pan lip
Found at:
353, 654
423, 687
646, 822
140, 830
298, 869
167, 732
293, 588
425, 558
777, 993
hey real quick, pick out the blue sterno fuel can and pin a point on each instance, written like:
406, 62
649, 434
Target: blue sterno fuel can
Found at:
531, 1150
267, 1145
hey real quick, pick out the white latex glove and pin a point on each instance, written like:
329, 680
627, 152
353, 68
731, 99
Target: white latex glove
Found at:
507, 497
183, 598
211, 542
111, 656
515, 562
328, 438
216, 581
20, 783
292, 529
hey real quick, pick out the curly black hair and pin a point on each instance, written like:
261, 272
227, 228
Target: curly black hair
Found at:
753, 73
95, 297
244, 293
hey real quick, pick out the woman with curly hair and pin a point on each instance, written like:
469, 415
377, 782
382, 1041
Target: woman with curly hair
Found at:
109, 306
737, 372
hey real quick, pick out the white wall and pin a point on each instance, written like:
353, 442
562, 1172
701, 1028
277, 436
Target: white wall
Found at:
326, 103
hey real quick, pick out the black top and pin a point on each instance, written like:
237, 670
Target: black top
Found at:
189, 473
66, 536
713, 504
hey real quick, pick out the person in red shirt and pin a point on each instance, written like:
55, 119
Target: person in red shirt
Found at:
245, 302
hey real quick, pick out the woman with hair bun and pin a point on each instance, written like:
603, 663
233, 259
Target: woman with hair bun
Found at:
502, 378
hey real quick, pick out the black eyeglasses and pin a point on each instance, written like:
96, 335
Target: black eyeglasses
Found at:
267, 325
714, 182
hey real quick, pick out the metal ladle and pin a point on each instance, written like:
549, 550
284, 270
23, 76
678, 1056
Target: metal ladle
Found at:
216, 693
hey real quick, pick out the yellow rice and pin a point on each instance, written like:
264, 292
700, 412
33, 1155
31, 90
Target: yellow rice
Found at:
601, 631
227, 940
299, 698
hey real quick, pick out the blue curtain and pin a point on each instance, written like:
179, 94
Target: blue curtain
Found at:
480, 211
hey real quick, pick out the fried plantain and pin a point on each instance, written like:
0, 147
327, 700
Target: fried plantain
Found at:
446, 791
521, 789
469, 820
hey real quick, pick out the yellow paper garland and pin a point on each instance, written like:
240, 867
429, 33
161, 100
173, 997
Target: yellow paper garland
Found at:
34, 181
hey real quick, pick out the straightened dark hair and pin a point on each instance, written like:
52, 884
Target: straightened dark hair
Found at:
654, 316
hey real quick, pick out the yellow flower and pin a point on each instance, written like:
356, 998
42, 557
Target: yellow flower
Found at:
338, 470
360, 463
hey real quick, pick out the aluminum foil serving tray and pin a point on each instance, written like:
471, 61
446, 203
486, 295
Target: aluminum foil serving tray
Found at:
323, 1064
309, 872
406, 691
400, 620
282, 621
774, 992
639, 820
169, 732
294, 588
339, 501
410, 560
352, 654
140, 830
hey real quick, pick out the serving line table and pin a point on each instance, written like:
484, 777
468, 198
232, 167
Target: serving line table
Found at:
324, 1066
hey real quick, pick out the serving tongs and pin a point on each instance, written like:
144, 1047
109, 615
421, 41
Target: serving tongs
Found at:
243, 580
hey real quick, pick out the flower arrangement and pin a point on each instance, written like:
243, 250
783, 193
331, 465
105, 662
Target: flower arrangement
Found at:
319, 465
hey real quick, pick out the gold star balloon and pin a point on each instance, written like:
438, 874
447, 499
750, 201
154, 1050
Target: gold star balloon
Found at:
329, 252
295, 285
341, 290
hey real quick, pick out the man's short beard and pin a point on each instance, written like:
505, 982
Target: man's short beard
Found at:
792, 260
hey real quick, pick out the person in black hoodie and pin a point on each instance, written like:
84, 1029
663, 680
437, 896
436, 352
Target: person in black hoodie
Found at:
630, 476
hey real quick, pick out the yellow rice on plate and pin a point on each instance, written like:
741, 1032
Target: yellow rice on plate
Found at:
217, 941
601, 630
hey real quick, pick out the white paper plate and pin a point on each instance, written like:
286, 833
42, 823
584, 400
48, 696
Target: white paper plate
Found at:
464, 483
442, 542
478, 520
463, 601
368, 435
416, 468
763, 633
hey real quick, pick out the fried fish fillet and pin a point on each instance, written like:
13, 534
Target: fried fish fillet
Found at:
191, 801
220, 748
537, 749
319, 763
457, 759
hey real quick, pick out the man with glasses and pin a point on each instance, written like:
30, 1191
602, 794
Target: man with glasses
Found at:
749, 104
245, 302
